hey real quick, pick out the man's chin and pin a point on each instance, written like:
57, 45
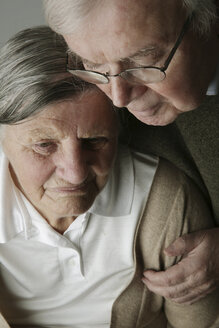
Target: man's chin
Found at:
161, 117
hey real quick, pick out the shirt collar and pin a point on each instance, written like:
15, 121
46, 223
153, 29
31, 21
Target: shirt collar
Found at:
13, 215
117, 196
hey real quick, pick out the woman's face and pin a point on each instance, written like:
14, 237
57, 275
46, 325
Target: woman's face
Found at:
61, 158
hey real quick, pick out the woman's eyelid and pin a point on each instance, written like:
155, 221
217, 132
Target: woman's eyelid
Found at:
94, 143
44, 147
46, 143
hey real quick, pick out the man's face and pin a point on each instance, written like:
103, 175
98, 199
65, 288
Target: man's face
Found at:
126, 34
61, 158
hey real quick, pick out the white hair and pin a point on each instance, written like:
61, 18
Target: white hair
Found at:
33, 74
65, 16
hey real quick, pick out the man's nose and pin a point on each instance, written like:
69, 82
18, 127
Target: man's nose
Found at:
123, 92
72, 165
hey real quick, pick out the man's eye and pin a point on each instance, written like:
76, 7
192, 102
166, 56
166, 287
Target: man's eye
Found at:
151, 59
96, 68
88, 66
94, 143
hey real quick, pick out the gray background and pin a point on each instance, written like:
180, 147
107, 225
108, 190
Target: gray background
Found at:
16, 15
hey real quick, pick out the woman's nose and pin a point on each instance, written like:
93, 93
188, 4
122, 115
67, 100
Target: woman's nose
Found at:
72, 166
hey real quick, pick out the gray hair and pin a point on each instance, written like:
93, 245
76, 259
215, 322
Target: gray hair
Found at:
65, 16
33, 74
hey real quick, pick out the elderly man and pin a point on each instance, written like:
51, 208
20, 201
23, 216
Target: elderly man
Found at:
81, 215
158, 58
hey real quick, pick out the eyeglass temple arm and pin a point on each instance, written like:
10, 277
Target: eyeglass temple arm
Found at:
178, 41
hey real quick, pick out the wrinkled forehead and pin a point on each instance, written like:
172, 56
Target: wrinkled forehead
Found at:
118, 29
90, 113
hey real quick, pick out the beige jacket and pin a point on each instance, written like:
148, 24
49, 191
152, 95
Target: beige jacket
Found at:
174, 207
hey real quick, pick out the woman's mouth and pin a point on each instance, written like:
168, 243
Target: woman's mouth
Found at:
72, 189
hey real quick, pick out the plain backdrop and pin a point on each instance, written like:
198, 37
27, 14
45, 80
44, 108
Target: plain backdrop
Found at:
16, 15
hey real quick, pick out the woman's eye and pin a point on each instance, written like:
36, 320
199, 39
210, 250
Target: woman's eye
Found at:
94, 143
45, 147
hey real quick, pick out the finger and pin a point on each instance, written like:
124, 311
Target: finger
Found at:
195, 282
187, 269
195, 295
167, 292
185, 243
184, 292
173, 292
171, 277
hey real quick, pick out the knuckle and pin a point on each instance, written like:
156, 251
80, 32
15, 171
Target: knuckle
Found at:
180, 301
190, 302
205, 277
197, 278
167, 281
168, 295
208, 286
171, 294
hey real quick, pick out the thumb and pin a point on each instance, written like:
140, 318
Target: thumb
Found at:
185, 244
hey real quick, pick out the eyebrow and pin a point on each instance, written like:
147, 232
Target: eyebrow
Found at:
73, 54
150, 49
81, 59
42, 132
144, 52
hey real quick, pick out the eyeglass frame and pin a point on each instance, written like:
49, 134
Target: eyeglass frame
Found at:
162, 69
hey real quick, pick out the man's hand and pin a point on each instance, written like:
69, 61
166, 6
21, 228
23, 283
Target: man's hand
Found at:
196, 275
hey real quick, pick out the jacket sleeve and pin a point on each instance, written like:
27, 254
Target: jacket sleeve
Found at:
175, 207
187, 213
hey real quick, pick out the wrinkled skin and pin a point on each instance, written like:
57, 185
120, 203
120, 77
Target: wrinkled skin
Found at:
61, 158
119, 31
196, 275
119, 34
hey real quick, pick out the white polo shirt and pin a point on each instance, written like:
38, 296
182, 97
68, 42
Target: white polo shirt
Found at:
71, 280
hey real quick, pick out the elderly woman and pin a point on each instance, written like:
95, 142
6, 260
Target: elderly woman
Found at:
81, 215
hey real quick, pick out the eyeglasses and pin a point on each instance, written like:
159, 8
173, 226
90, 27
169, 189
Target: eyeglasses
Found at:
137, 75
